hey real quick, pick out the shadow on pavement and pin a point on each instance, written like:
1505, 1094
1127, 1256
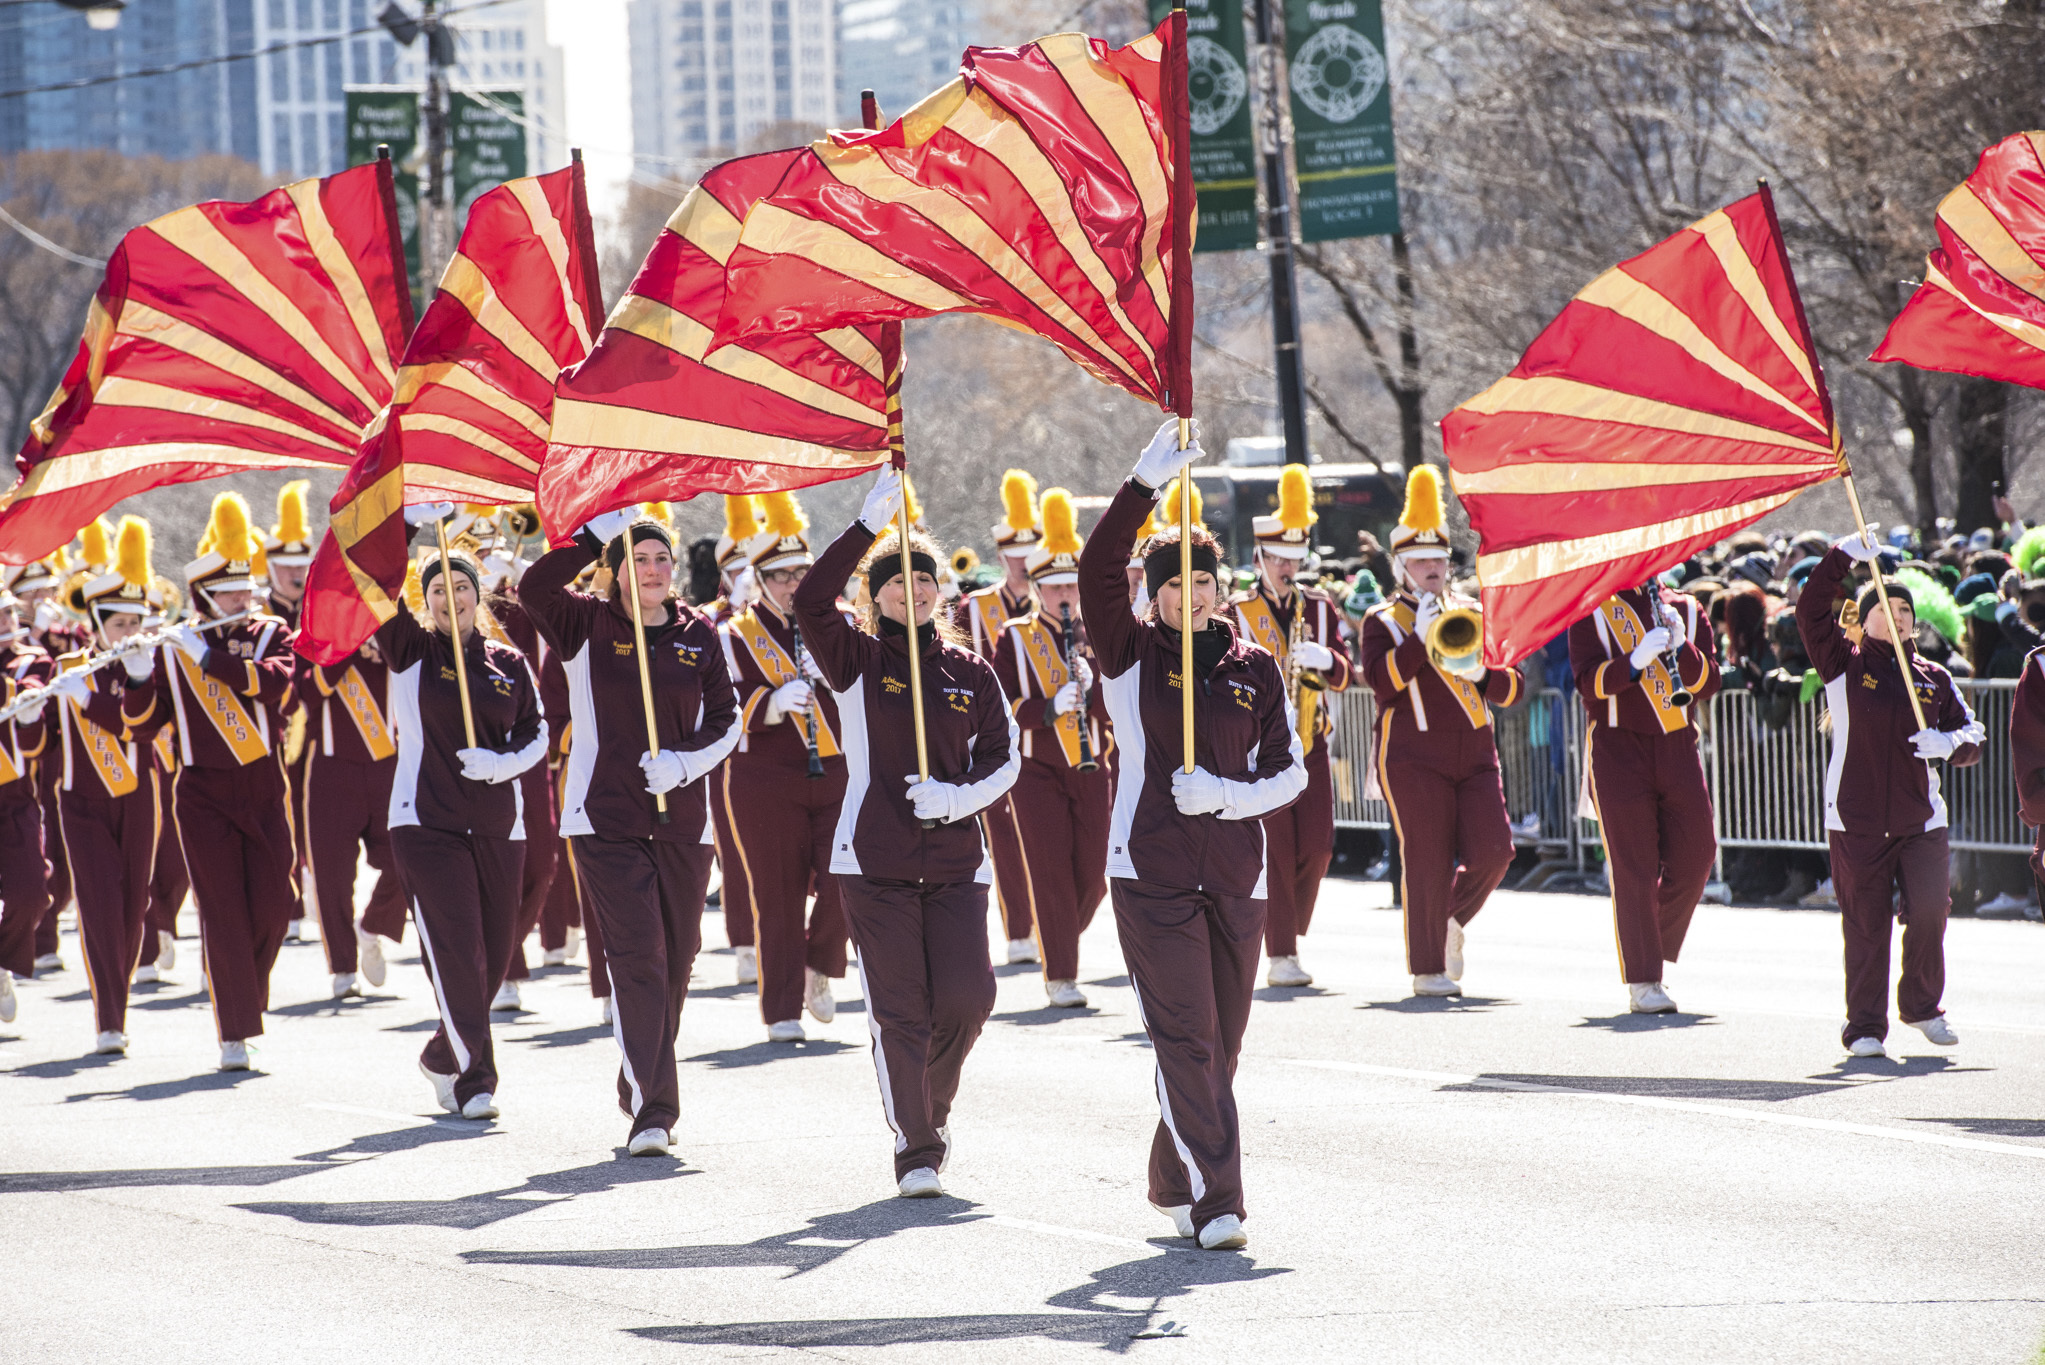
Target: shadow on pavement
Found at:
1044, 1014
311, 1009
478, 1210
1439, 1004
448, 1129
1281, 994
426, 1025
2017, 1128
1662, 1087
725, 992
1647, 1023
571, 1037
170, 1090
62, 1067
759, 1054
1894, 1068
160, 1001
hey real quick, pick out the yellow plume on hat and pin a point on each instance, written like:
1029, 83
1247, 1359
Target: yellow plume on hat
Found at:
1424, 509
1018, 494
911, 501
291, 527
1296, 499
1167, 511
1061, 523
259, 562
92, 541
131, 553
228, 531
741, 516
784, 518
659, 511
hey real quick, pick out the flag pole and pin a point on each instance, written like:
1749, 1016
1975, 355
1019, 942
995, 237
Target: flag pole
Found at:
454, 632
1180, 381
627, 564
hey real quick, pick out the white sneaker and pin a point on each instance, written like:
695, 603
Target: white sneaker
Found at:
1181, 1216
1224, 1234
648, 1142
817, 997
944, 1136
345, 985
110, 1045
1453, 951
1867, 1047
369, 956
506, 998
166, 950
554, 957
748, 965
1286, 971
1648, 997
574, 941
1065, 995
294, 932
1937, 1030
2004, 906
49, 962
1436, 984
607, 1009
234, 1056
443, 1088
480, 1106
1823, 896
146, 973
1020, 950
786, 1031
921, 1183
10, 1003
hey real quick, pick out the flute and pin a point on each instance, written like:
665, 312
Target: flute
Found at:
809, 713
138, 643
1087, 762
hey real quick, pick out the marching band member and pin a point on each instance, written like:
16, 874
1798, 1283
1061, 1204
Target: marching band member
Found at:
1437, 754
169, 883
1642, 660
107, 798
1885, 818
907, 851
1303, 630
1186, 863
1064, 789
457, 813
643, 878
283, 564
35, 588
981, 615
24, 876
781, 808
225, 688
741, 528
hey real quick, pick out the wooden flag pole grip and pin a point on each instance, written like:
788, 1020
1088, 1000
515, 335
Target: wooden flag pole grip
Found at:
454, 633
630, 587
1186, 592
1888, 610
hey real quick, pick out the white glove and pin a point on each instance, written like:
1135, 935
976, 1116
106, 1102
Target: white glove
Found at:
883, 500
1066, 701
1162, 458
664, 771
811, 668
1861, 545
486, 765
609, 526
745, 590
426, 513
1652, 646
787, 698
48, 614
190, 642
1083, 674
140, 664
73, 687
1313, 654
1931, 744
502, 566
30, 714
1428, 612
1196, 793
929, 798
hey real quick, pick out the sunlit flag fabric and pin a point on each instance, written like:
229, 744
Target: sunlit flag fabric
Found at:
224, 337
517, 304
1981, 308
648, 418
1037, 189
1674, 400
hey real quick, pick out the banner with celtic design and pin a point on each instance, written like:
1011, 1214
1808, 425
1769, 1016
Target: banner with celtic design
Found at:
1341, 119
1224, 143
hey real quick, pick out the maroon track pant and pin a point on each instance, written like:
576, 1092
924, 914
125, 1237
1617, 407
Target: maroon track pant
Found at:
1298, 842
237, 846
24, 876
462, 888
111, 845
1011, 891
1059, 821
57, 879
647, 896
781, 830
346, 807
1867, 871
1192, 957
731, 899
169, 883
929, 988
294, 781
1448, 806
1656, 820
537, 880
561, 912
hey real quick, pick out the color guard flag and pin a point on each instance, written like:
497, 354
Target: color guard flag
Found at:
1981, 308
518, 303
224, 337
1673, 401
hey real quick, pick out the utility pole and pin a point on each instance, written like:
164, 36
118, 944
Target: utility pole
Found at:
1274, 126
436, 246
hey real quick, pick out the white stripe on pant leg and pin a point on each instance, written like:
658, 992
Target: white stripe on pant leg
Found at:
618, 1032
1164, 1104
454, 1035
880, 1061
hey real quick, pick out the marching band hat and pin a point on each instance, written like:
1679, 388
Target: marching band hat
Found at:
36, 575
290, 540
1286, 534
1056, 557
1017, 530
1422, 532
130, 584
782, 544
227, 564
741, 526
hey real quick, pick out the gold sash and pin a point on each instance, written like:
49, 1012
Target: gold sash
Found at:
166, 748
778, 668
361, 707
993, 614
1467, 693
220, 706
1051, 673
109, 755
1656, 680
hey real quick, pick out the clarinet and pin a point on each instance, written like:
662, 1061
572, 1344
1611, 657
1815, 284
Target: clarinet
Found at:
1087, 762
809, 714
1681, 696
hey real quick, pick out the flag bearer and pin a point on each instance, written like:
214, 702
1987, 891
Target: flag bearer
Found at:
24, 875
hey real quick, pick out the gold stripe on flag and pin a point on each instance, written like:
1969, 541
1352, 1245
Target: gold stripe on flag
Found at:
546, 230
673, 330
466, 432
340, 268
465, 282
1530, 564
414, 380
1587, 476
1724, 240
122, 392
2022, 330
1120, 120
140, 320
610, 427
779, 232
1553, 396
1986, 237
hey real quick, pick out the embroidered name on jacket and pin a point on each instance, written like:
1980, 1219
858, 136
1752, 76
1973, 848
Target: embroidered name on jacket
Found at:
1242, 694
961, 698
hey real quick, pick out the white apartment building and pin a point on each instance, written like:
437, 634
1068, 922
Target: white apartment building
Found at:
711, 78
901, 50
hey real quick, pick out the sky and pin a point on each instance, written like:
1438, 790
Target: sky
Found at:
591, 34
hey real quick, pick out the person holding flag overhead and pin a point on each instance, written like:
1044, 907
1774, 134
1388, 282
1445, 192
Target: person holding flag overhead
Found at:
907, 851
1436, 753
1303, 630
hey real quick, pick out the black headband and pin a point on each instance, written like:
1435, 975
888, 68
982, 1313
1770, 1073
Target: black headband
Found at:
1870, 603
614, 553
458, 563
1161, 565
889, 566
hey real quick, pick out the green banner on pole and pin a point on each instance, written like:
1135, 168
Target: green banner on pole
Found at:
1341, 119
390, 115
489, 143
1224, 142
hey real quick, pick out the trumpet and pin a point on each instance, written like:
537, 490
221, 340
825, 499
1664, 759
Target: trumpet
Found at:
142, 642
1455, 642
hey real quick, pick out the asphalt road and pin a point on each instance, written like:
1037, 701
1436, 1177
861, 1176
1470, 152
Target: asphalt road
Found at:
1529, 1174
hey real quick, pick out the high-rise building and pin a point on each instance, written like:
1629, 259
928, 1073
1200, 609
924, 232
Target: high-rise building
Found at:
712, 78
899, 49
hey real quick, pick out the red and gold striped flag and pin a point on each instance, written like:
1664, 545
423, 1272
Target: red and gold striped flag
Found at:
651, 416
1981, 308
224, 337
1673, 401
1043, 189
517, 304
